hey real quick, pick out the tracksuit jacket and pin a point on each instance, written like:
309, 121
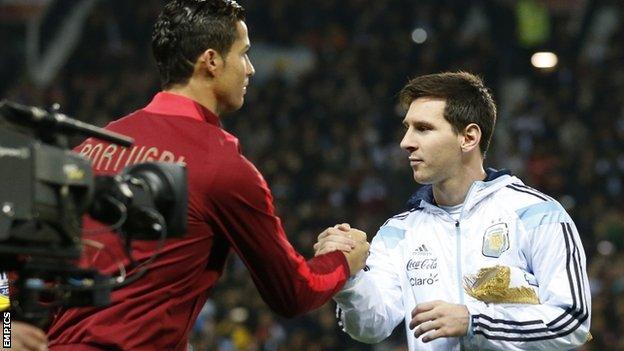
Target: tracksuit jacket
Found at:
230, 210
424, 254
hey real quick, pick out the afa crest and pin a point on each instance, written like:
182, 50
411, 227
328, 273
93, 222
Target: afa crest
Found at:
495, 240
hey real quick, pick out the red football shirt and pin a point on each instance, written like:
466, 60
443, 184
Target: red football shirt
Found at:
230, 208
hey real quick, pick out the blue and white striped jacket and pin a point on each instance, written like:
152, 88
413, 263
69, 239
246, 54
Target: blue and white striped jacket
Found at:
424, 254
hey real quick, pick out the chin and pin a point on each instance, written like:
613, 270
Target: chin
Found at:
234, 106
422, 179
238, 103
417, 178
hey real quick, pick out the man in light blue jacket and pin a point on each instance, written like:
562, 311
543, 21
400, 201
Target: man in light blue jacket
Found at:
480, 260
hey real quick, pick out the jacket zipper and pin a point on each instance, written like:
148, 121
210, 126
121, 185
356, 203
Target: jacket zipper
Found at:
459, 275
459, 270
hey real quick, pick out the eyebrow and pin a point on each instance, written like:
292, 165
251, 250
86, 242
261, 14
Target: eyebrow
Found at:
423, 123
418, 124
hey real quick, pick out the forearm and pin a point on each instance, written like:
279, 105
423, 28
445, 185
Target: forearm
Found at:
289, 284
529, 327
243, 213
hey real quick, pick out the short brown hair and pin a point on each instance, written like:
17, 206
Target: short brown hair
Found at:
467, 101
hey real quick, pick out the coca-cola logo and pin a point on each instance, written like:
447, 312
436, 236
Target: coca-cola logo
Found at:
429, 263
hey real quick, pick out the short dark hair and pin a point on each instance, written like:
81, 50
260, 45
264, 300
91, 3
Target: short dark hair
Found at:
467, 101
186, 28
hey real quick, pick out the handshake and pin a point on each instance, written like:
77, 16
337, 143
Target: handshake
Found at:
352, 242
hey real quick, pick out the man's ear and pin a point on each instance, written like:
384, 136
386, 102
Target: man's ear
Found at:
471, 137
211, 62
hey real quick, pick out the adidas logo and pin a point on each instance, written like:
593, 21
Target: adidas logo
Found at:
422, 250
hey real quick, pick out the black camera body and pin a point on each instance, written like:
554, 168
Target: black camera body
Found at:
46, 189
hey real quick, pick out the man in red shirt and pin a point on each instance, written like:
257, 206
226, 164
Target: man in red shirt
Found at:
201, 51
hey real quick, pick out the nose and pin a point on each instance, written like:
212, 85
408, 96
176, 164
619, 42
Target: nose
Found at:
408, 143
250, 68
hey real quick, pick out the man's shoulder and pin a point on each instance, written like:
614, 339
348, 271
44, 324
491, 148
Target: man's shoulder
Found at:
138, 117
403, 220
533, 207
517, 195
131, 117
392, 232
181, 129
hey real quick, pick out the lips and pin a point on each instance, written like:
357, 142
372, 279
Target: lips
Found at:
415, 161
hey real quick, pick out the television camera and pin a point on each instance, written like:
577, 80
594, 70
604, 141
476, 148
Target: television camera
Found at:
45, 189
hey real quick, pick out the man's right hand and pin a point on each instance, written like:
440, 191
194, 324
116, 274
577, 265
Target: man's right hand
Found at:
351, 242
357, 257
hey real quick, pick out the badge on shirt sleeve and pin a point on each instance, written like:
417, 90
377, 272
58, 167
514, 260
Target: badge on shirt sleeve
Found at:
495, 240
4, 292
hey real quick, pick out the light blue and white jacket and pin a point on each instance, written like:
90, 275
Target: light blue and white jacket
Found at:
424, 254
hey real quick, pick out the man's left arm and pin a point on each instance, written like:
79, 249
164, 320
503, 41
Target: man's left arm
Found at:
562, 318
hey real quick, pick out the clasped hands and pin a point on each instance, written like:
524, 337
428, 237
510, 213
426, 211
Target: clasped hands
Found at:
431, 320
352, 242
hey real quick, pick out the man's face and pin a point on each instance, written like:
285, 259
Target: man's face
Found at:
237, 69
434, 148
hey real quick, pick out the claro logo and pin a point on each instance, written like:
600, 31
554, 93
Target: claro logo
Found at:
432, 279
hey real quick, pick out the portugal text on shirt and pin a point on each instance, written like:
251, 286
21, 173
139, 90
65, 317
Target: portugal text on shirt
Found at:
109, 157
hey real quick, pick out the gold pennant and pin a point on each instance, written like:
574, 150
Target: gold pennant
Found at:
491, 285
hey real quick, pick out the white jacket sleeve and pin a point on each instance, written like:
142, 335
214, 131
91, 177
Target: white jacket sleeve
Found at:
556, 258
370, 304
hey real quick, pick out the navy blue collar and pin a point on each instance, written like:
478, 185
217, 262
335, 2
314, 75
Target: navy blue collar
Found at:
425, 193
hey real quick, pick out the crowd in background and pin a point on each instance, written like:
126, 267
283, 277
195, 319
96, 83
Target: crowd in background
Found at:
327, 142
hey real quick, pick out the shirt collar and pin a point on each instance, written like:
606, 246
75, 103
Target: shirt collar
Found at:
165, 103
425, 193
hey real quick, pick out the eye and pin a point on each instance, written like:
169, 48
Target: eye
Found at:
423, 128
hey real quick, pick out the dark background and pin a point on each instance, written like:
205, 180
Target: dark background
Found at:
321, 120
